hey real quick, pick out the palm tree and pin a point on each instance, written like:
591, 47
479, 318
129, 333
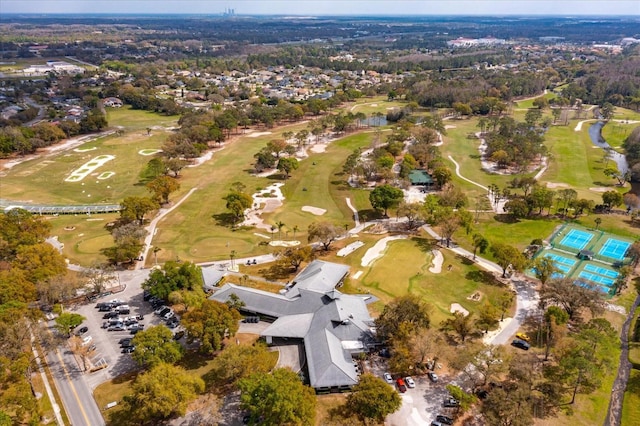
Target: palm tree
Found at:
273, 229
232, 256
598, 221
295, 229
280, 225
155, 254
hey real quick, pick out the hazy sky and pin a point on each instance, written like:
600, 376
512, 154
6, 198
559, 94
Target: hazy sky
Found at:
331, 7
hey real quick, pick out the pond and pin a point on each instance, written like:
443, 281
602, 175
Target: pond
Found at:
620, 160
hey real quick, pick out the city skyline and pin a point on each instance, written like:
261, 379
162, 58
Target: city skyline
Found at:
330, 7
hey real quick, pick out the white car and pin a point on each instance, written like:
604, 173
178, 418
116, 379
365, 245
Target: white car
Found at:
387, 378
409, 381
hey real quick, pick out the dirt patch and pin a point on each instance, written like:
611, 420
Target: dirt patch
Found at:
258, 134
599, 189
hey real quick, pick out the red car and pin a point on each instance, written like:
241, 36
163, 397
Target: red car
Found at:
402, 387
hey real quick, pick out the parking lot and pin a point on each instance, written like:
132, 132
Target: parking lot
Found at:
107, 348
420, 405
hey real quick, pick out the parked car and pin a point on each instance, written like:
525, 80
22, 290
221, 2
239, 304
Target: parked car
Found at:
451, 402
160, 310
432, 376
128, 349
402, 387
444, 419
105, 308
179, 335
146, 295
86, 340
173, 324
110, 315
523, 336
82, 330
409, 381
520, 344
105, 324
168, 315
436, 423
126, 341
136, 327
387, 378
116, 327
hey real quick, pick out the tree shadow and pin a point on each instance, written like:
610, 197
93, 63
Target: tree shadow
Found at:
505, 218
424, 244
482, 277
276, 272
224, 219
369, 214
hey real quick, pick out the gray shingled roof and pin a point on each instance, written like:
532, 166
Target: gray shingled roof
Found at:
332, 324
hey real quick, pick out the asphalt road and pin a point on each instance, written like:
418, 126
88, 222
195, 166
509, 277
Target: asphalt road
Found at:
74, 391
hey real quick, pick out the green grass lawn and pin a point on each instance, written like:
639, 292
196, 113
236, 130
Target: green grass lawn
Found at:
319, 185
631, 407
386, 280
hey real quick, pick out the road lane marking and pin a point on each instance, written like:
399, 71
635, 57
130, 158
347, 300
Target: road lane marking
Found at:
73, 388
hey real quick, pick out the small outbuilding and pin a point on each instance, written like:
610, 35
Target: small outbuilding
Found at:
420, 178
585, 255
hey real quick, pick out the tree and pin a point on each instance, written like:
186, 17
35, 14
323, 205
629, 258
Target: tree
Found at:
449, 222
39, 262
544, 268
506, 256
295, 256
236, 362
412, 211
18, 227
404, 315
508, 407
612, 199
277, 398
67, 321
466, 399
210, 324
504, 302
162, 392
459, 323
554, 321
441, 175
487, 317
372, 398
161, 187
155, 346
98, 276
174, 276
287, 165
597, 221
573, 298
237, 203
135, 208
384, 197
479, 243
323, 232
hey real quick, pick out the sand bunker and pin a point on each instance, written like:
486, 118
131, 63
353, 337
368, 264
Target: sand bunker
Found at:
456, 307
357, 275
85, 149
438, 258
318, 148
258, 134
89, 167
265, 201
600, 189
449, 126
350, 248
377, 250
556, 185
106, 175
284, 243
147, 152
314, 210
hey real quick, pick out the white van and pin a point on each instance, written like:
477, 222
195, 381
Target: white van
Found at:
86, 340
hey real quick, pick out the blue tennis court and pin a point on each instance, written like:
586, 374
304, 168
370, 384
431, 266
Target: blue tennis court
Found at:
596, 278
561, 260
600, 271
576, 239
614, 249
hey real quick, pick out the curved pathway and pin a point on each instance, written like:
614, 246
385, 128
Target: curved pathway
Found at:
151, 229
354, 210
614, 411
496, 205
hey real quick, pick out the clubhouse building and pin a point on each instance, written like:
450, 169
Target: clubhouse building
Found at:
333, 327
